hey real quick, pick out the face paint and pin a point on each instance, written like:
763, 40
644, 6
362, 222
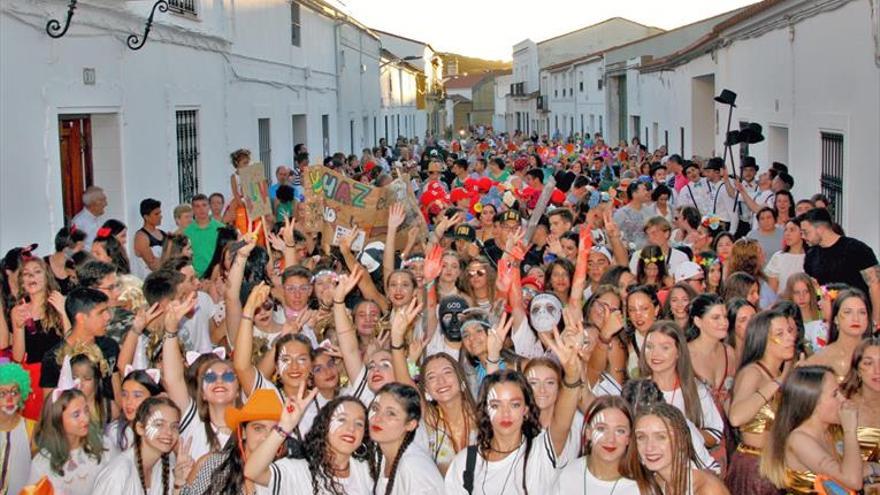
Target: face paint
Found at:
449, 310
491, 396
597, 435
775, 340
337, 419
545, 311
10, 410
283, 361
153, 425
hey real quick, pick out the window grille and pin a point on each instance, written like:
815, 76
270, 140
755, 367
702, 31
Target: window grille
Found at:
187, 154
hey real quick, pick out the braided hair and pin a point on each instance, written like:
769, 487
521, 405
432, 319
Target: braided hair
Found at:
318, 445
531, 426
408, 397
144, 411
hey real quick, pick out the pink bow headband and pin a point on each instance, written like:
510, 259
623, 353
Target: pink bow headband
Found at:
191, 356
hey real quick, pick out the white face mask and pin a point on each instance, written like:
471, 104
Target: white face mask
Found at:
545, 311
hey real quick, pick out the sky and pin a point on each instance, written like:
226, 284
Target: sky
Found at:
489, 28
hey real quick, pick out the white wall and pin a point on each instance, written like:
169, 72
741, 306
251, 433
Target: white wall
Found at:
234, 65
502, 89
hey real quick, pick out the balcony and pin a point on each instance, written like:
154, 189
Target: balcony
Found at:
183, 7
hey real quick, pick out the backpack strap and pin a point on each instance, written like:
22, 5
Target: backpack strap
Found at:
469, 468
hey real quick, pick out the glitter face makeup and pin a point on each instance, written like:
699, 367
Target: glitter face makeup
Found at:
337, 420
491, 397
154, 425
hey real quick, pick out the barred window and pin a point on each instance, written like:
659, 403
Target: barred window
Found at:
187, 154
183, 6
295, 24
265, 145
831, 179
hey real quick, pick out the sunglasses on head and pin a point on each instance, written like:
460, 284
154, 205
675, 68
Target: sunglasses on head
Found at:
226, 376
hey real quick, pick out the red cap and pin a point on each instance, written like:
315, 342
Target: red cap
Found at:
459, 194
534, 281
484, 184
557, 197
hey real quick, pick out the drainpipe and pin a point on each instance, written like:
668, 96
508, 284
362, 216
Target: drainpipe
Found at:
338, 58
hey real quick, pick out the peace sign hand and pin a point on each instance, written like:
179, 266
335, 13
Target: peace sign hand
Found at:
185, 462
295, 407
403, 318
347, 283
568, 356
497, 334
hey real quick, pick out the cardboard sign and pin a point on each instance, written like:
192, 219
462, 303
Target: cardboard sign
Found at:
335, 205
255, 190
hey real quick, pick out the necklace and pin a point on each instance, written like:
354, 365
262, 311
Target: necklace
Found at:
506, 478
587, 471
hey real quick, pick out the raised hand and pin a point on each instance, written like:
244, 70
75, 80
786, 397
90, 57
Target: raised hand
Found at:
144, 317
56, 300
20, 314
176, 310
568, 356
295, 407
402, 319
347, 283
497, 335
396, 216
256, 298
433, 266
287, 231
346, 241
185, 462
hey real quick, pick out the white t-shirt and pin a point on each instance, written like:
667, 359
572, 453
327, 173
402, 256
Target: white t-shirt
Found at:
19, 460
292, 477
712, 422
192, 426
577, 478
783, 265
438, 443
722, 204
88, 223
79, 472
416, 474
438, 344
525, 341
506, 476
120, 477
360, 388
195, 332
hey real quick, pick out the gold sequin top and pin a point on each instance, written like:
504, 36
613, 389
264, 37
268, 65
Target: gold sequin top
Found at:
762, 420
800, 482
869, 443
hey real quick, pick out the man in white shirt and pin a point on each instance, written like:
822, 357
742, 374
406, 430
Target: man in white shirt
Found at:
748, 171
722, 193
89, 218
659, 231
696, 192
763, 197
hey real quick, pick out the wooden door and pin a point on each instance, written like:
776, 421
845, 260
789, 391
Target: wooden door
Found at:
75, 136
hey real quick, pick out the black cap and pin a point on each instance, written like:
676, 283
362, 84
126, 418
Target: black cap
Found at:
465, 232
714, 163
511, 215
749, 162
149, 205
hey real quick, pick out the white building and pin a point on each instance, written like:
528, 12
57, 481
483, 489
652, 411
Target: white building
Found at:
421, 54
161, 121
808, 72
502, 117
400, 115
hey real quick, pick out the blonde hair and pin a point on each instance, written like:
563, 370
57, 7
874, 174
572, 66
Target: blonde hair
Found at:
131, 294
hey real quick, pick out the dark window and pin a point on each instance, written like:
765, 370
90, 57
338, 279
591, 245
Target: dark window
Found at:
182, 6
265, 145
295, 25
831, 179
581, 86
600, 85
187, 154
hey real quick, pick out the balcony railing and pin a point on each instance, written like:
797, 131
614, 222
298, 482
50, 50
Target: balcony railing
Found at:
187, 7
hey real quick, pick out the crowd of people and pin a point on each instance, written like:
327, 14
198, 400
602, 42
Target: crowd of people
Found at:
580, 318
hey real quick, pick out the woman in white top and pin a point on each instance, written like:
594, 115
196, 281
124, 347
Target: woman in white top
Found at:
667, 457
336, 446
403, 467
604, 444
448, 423
667, 362
290, 361
70, 452
137, 386
374, 370
787, 261
146, 468
203, 422
513, 454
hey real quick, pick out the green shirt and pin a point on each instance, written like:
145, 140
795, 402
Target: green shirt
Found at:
203, 240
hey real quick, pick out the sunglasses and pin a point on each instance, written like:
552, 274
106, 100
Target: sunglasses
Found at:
475, 273
211, 377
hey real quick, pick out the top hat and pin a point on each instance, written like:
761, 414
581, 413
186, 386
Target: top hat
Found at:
727, 97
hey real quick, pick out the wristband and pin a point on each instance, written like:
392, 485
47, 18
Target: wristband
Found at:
248, 318
398, 347
281, 431
490, 361
289, 245
338, 302
169, 335
578, 384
